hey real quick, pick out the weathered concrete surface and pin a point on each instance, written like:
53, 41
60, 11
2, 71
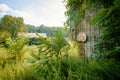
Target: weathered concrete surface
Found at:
92, 32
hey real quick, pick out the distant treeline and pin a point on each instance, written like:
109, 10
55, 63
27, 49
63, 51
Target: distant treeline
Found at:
43, 29
12, 25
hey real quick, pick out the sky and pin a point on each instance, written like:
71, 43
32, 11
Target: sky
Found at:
35, 12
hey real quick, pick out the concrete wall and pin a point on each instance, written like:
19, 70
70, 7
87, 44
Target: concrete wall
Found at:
92, 32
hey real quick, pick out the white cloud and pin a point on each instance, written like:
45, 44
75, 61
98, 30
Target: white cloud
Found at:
48, 12
27, 16
3, 13
5, 8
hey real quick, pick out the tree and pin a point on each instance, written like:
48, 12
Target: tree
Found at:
30, 28
12, 25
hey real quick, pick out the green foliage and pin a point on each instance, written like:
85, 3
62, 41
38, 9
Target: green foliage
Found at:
16, 46
43, 29
53, 62
18, 71
108, 47
33, 41
30, 28
76, 9
53, 45
12, 25
99, 19
14, 52
48, 60
49, 64
69, 68
74, 68
12, 66
108, 19
3, 38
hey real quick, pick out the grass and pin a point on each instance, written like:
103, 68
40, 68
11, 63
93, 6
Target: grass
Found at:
10, 70
70, 67
52, 60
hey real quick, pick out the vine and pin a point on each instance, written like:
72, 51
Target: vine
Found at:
75, 10
107, 18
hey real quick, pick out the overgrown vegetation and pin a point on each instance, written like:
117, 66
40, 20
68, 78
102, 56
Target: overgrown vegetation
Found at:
11, 25
108, 47
108, 18
49, 30
52, 59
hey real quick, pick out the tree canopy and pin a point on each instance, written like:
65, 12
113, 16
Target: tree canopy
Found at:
43, 29
12, 25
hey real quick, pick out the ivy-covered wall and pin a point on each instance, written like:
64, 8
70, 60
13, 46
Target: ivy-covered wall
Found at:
100, 20
79, 15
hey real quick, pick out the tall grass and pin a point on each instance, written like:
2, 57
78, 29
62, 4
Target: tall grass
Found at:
12, 66
52, 61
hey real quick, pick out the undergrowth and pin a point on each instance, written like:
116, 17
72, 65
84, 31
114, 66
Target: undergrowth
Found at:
53, 62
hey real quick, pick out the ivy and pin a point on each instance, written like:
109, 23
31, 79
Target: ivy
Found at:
75, 10
108, 18
99, 18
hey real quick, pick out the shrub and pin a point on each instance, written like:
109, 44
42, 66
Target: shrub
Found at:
34, 41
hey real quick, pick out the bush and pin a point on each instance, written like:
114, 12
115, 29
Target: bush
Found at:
34, 41
54, 62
